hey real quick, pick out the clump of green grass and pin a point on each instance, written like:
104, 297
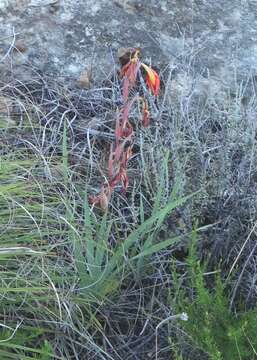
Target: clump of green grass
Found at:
25, 286
59, 267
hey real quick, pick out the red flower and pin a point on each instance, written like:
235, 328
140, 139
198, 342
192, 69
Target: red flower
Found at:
152, 79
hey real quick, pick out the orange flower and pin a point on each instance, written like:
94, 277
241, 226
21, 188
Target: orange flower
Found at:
152, 79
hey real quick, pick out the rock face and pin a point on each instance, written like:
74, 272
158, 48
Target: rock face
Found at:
65, 37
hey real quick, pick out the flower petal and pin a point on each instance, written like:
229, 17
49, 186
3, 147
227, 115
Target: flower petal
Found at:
152, 79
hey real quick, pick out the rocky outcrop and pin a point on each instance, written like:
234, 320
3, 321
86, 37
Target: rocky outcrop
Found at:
64, 38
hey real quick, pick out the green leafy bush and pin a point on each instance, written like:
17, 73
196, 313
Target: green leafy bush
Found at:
216, 330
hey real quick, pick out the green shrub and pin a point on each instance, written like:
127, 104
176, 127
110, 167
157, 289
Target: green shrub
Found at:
217, 331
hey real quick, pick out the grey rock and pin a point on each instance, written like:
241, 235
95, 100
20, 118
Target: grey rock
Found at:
217, 38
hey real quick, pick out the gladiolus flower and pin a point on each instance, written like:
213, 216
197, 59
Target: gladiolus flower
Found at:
152, 79
121, 149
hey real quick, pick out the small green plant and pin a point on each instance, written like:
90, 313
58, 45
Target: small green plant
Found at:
211, 325
98, 264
